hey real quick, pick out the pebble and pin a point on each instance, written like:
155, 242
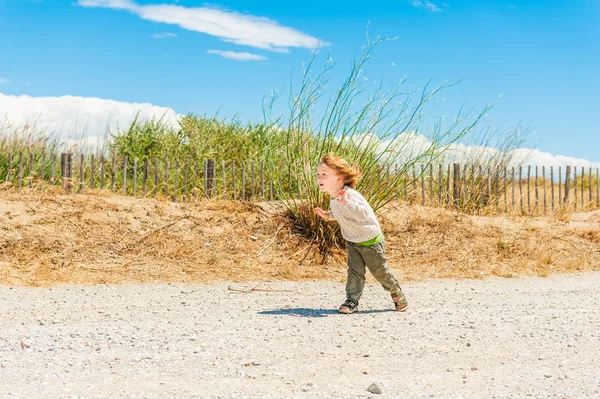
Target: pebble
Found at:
373, 388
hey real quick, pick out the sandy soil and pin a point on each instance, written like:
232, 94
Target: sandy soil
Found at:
491, 338
48, 239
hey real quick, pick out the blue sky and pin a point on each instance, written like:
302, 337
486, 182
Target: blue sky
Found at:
538, 61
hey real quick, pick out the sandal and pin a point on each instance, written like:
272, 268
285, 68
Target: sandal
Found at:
350, 306
400, 301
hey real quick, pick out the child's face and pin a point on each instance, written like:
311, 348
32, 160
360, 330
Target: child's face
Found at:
328, 179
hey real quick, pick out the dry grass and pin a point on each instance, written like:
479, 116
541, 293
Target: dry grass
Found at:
47, 238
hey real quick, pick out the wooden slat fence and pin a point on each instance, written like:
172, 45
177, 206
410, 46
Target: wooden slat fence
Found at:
526, 190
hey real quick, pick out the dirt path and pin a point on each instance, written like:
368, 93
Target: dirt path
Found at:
493, 338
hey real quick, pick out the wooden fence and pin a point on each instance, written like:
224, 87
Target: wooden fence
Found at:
530, 190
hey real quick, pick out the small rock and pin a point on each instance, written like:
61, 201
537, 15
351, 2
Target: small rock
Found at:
547, 376
373, 388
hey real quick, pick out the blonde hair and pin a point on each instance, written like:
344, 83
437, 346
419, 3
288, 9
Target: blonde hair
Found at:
351, 173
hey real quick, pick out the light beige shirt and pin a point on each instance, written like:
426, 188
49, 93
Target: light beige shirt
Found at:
356, 218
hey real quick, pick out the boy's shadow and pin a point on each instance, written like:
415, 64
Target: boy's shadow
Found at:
307, 312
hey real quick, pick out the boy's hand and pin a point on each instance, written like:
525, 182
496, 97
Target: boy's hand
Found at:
342, 197
322, 213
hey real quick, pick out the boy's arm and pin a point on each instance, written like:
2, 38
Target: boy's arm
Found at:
327, 215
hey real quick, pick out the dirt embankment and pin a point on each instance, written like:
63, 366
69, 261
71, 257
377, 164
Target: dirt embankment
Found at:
48, 239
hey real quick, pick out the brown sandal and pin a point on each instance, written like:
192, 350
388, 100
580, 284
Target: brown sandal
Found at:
400, 301
350, 306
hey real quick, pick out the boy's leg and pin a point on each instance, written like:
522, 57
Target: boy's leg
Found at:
374, 257
355, 283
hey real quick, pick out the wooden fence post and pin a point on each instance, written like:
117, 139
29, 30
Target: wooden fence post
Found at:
155, 189
262, 180
456, 186
113, 173
512, 183
582, 188
590, 189
567, 184
234, 195
185, 181
69, 172
414, 181
252, 198
176, 180
53, 163
529, 189
270, 184
30, 169
505, 184
196, 188
63, 169
544, 186
102, 172
537, 199
134, 177
560, 197
224, 177
145, 178
597, 189
210, 177
125, 175
440, 183
92, 172
552, 185
166, 190
575, 187
521, 188
81, 172
243, 180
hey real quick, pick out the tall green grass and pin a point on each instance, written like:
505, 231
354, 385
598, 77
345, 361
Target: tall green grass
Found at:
369, 125
25, 143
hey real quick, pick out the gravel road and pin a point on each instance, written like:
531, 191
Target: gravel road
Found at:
493, 338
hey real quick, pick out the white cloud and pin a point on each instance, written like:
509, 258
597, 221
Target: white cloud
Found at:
164, 35
4, 80
521, 156
84, 120
232, 55
427, 5
229, 26
409, 145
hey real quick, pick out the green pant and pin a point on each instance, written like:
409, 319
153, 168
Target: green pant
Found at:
372, 257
